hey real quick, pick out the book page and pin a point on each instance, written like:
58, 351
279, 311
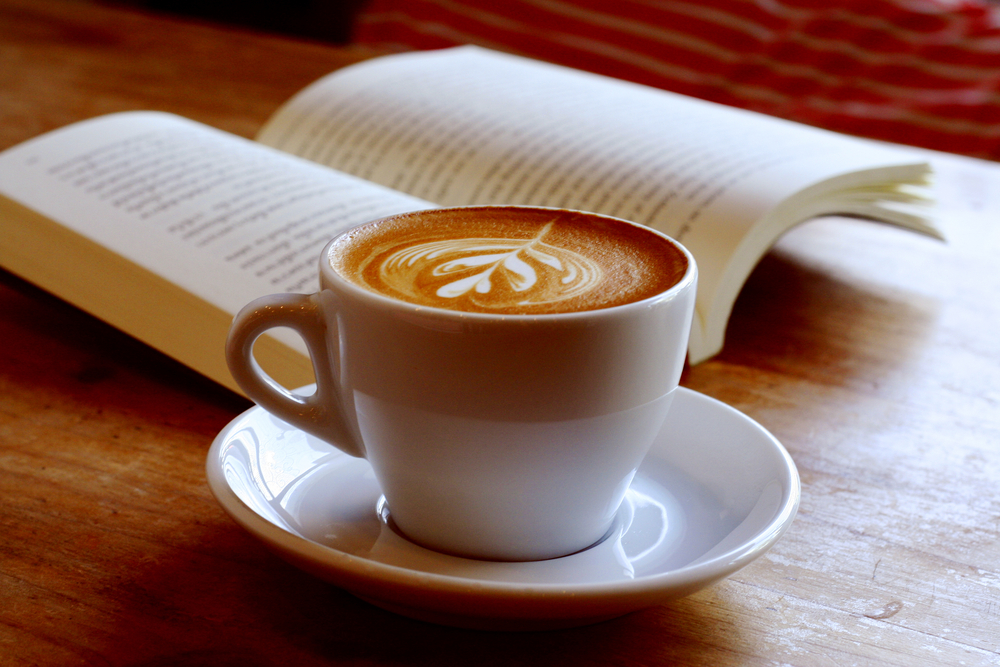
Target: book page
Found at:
223, 218
470, 126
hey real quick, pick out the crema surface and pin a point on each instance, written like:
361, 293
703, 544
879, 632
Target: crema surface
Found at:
508, 261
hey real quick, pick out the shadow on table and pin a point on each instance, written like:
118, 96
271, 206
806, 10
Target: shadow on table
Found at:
201, 608
53, 346
801, 321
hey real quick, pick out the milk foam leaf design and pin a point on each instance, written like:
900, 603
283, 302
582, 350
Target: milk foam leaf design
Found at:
519, 274
491, 272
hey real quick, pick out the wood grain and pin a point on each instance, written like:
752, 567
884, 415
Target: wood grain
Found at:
871, 353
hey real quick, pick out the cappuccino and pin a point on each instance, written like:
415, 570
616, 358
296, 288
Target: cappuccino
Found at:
484, 260
494, 429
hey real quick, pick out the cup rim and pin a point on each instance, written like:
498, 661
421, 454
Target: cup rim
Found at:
689, 277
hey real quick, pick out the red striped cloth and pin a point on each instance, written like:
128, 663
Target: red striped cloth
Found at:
919, 72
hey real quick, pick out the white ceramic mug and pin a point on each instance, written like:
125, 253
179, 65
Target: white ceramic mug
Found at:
507, 437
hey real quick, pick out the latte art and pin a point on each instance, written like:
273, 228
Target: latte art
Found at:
490, 272
508, 260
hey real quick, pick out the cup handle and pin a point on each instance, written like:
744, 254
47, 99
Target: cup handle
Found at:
321, 414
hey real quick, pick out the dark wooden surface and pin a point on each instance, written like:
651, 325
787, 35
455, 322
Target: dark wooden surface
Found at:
872, 354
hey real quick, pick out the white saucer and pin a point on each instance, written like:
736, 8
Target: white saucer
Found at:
715, 492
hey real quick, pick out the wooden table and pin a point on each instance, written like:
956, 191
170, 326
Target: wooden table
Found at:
872, 354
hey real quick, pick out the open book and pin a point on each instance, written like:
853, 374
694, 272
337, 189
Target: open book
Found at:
165, 228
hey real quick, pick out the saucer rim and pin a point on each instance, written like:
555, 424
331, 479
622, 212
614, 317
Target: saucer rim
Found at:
400, 587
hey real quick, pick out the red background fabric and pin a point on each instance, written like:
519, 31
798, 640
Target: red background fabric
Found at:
919, 72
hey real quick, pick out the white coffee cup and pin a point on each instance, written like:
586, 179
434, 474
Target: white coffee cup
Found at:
507, 437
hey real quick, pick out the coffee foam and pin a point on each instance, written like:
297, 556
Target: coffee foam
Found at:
508, 260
